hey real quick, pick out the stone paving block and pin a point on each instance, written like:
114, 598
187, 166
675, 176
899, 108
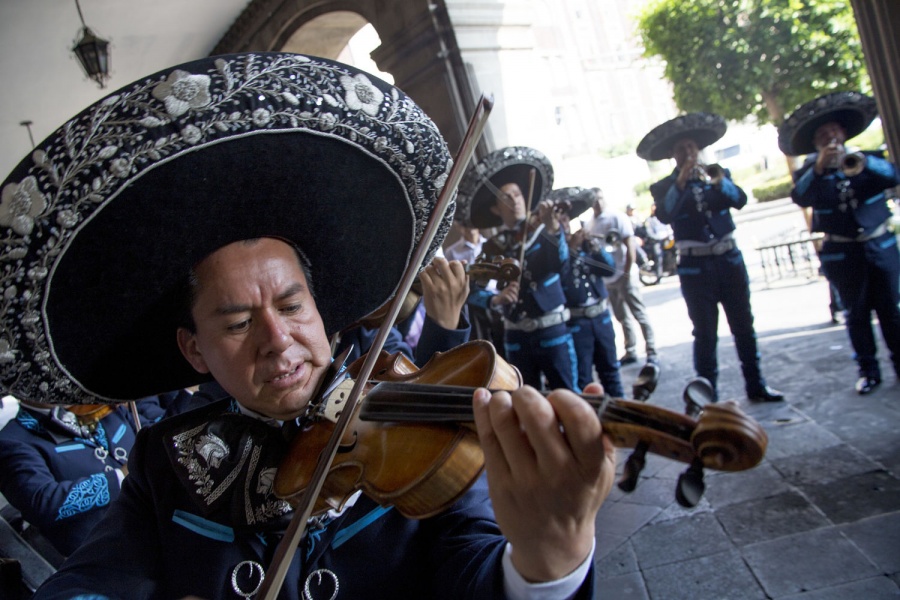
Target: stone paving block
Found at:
879, 539
656, 492
763, 480
620, 561
623, 519
715, 577
807, 561
875, 588
675, 511
679, 540
769, 518
856, 497
798, 438
622, 587
824, 466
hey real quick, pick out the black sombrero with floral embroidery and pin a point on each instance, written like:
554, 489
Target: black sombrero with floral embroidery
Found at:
703, 128
102, 222
478, 187
852, 110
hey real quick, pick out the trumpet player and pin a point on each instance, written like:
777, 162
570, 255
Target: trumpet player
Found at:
848, 195
696, 200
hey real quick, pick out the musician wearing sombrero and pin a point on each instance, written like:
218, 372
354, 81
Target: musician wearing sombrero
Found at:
848, 195
497, 192
60, 468
696, 201
198, 224
591, 321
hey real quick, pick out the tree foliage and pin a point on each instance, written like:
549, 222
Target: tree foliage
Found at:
753, 57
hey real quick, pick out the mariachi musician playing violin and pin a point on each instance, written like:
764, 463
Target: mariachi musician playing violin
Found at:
497, 192
251, 250
61, 466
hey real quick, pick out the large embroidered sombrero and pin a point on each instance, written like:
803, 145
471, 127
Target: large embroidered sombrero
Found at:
575, 200
854, 111
703, 128
478, 187
103, 221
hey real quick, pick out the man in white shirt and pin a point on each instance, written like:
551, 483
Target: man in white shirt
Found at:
624, 291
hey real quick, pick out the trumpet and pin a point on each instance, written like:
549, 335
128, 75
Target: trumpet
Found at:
711, 174
853, 163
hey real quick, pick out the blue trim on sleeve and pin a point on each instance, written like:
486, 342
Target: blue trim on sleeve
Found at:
671, 198
84, 496
348, 532
69, 448
205, 527
891, 241
805, 181
729, 189
551, 280
880, 166
120, 432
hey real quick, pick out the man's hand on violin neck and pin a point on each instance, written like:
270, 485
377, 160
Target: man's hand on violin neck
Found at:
549, 469
445, 288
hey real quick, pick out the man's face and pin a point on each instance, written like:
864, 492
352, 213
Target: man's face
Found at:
258, 330
685, 150
599, 203
827, 133
509, 204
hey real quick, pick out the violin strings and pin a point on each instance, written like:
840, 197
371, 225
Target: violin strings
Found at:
454, 404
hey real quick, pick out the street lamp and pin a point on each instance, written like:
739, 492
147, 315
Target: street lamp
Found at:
92, 53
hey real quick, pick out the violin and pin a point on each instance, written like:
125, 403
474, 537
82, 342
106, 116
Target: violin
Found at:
412, 443
90, 414
499, 268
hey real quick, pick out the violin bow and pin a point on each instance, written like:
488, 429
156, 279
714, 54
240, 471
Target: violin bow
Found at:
274, 577
531, 176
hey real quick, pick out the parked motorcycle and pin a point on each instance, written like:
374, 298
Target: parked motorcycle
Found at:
662, 260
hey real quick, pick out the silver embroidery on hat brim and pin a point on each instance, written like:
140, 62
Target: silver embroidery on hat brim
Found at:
106, 148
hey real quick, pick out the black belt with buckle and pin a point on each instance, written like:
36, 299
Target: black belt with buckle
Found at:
542, 322
717, 249
589, 311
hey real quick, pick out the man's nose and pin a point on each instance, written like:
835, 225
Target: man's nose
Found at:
274, 334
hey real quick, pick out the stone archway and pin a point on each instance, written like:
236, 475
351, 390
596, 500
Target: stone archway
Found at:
418, 47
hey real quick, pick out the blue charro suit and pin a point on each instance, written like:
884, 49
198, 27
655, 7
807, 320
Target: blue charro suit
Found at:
859, 254
701, 213
61, 483
210, 518
548, 349
594, 337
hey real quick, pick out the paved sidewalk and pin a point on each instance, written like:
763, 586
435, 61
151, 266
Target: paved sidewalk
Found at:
818, 519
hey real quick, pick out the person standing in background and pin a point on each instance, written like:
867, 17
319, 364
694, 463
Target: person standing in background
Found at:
847, 194
698, 203
624, 289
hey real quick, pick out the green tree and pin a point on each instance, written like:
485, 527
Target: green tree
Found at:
762, 58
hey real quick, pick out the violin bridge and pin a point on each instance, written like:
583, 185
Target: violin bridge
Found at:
333, 406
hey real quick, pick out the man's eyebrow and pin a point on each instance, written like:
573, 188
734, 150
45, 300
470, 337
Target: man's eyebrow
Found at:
288, 292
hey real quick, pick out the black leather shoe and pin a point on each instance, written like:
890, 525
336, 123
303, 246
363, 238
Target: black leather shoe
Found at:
628, 359
867, 385
766, 394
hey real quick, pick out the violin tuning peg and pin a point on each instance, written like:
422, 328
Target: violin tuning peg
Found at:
690, 487
697, 393
631, 471
645, 383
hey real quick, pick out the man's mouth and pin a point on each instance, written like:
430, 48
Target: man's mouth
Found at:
286, 378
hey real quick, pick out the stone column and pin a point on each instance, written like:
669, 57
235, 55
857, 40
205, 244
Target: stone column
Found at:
878, 22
